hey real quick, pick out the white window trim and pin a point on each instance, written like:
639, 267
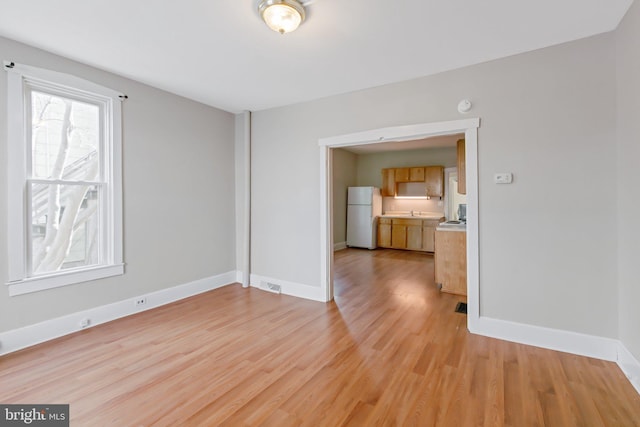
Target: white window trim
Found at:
18, 282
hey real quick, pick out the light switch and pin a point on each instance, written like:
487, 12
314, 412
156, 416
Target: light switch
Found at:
503, 178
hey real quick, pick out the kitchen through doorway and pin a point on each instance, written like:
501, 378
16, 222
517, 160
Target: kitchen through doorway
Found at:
398, 135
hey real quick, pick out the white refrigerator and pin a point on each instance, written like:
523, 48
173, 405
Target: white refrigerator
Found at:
364, 205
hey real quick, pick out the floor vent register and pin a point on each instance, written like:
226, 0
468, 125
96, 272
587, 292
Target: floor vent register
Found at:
461, 307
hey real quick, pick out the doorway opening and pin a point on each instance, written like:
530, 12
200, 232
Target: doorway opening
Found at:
400, 134
452, 199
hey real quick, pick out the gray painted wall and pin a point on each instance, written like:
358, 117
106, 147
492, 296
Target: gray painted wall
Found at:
547, 249
178, 195
628, 66
345, 166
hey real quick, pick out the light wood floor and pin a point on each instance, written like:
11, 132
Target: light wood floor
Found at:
389, 351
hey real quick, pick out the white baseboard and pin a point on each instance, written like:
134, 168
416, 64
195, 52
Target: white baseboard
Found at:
288, 288
566, 341
629, 365
339, 246
553, 339
27, 336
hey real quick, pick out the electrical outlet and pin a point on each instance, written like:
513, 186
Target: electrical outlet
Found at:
503, 178
140, 301
84, 323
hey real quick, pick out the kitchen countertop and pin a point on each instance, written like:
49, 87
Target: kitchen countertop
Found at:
445, 226
414, 215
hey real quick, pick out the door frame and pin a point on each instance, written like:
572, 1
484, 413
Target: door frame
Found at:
447, 193
398, 134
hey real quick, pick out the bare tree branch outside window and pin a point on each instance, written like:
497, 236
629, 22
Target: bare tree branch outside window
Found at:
65, 138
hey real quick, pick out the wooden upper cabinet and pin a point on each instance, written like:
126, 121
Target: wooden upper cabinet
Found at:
416, 174
434, 176
402, 174
388, 183
462, 165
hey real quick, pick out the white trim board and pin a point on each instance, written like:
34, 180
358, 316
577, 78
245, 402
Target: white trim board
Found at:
21, 81
400, 133
27, 336
467, 126
629, 365
602, 348
552, 339
300, 290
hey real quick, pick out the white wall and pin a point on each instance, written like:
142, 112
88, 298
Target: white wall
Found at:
178, 195
628, 66
547, 116
344, 176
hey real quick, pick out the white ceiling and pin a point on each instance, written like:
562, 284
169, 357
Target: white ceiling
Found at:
220, 53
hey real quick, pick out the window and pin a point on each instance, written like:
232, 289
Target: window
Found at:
65, 188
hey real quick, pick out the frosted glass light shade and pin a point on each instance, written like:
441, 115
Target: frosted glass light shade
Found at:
282, 16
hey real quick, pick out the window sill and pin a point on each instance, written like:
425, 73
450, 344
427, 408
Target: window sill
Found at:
35, 284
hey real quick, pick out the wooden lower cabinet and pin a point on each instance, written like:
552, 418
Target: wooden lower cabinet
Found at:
429, 234
414, 236
399, 236
384, 232
451, 261
429, 239
405, 233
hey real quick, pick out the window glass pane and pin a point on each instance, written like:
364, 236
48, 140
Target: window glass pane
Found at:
65, 136
64, 227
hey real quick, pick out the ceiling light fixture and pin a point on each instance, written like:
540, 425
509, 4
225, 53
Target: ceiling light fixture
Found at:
282, 16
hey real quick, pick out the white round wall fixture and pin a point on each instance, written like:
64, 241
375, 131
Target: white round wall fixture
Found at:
464, 106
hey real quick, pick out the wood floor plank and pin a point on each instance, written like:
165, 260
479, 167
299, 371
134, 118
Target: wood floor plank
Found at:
389, 351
